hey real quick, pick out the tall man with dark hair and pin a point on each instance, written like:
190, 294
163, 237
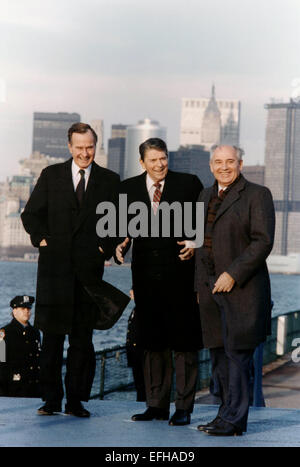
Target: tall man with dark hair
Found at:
61, 218
233, 283
162, 275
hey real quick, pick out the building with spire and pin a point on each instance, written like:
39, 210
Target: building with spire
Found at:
208, 121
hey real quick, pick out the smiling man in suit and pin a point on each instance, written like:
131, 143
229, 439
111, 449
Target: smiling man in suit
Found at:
166, 312
233, 283
61, 219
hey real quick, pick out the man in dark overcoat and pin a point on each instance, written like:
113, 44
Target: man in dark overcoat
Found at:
162, 280
233, 283
61, 219
20, 370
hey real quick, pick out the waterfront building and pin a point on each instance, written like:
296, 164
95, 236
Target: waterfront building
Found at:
282, 173
208, 121
193, 160
50, 133
116, 149
254, 173
100, 156
135, 135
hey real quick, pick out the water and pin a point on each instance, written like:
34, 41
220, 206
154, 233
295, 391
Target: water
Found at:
19, 278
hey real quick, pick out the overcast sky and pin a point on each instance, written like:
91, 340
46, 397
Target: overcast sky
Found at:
123, 60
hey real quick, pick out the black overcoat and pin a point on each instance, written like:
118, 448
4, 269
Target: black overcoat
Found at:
166, 309
242, 239
20, 374
72, 250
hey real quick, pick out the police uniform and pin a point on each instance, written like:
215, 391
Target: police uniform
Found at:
20, 359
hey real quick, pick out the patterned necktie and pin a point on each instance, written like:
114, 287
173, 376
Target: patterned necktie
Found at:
156, 197
80, 187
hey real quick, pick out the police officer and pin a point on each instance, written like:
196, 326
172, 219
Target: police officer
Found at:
20, 352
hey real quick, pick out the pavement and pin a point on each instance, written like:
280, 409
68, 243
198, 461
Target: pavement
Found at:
110, 426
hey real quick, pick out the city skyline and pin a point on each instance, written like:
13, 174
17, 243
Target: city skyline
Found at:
122, 61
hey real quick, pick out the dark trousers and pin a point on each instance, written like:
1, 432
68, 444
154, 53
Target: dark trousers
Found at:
158, 371
231, 374
80, 364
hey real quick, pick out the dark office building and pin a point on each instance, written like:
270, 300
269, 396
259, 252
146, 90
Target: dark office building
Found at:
254, 173
116, 149
50, 133
193, 160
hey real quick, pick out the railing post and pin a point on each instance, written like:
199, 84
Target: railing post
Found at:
102, 376
258, 398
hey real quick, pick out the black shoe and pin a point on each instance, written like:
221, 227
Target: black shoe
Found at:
77, 410
209, 425
180, 417
224, 429
48, 409
150, 414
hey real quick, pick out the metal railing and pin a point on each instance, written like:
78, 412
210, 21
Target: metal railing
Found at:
113, 376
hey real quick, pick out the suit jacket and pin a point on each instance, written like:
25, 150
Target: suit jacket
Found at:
166, 310
72, 250
242, 239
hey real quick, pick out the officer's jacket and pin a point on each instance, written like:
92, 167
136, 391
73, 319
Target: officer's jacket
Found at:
19, 373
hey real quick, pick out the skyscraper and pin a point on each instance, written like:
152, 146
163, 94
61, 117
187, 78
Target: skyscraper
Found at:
100, 156
282, 173
193, 160
50, 133
116, 149
135, 135
209, 121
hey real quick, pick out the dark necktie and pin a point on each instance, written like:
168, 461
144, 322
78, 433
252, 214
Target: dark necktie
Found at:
80, 188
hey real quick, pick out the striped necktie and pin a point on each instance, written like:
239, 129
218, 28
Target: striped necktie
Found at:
156, 197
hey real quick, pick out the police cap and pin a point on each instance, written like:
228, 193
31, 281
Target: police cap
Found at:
22, 301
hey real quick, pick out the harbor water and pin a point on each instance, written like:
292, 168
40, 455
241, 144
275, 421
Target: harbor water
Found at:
19, 278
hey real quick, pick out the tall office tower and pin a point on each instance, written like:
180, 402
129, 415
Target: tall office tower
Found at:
116, 149
50, 133
135, 135
210, 121
282, 173
100, 156
193, 160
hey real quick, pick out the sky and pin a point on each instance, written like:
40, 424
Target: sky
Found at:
124, 60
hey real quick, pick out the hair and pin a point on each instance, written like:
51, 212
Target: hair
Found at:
81, 128
239, 151
152, 143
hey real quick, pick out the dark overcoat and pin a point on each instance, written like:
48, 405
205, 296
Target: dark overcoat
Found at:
166, 309
20, 374
72, 251
242, 239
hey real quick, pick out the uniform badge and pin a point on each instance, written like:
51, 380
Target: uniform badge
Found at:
17, 377
25, 299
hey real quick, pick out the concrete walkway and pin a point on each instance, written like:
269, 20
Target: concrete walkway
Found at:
110, 424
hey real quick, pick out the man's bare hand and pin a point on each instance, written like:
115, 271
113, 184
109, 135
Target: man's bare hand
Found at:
43, 242
120, 250
185, 252
224, 283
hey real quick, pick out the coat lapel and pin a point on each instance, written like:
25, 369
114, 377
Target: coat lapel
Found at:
231, 198
67, 183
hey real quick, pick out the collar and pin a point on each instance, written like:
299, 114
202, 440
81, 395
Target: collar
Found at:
75, 169
150, 183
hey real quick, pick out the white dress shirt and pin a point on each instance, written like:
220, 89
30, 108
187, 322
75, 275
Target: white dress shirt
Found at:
76, 175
